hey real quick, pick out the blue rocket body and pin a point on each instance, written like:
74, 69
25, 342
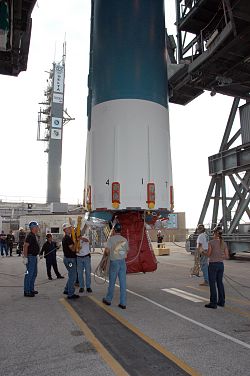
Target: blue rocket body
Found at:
129, 51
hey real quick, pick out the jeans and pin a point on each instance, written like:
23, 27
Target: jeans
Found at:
84, 263
204, 267
117, 268
70, 264
216, 270
10, 247
4, 248
30, 275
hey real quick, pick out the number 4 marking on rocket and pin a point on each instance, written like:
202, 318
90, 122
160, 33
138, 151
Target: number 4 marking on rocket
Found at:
107, 182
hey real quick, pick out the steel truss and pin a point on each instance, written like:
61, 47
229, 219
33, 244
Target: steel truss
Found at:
234, 165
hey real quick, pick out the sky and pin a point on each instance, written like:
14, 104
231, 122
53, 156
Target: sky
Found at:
196, 129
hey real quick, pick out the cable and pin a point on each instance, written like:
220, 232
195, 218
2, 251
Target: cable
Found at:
12, 275
37, 284
234, 288
22, 275
177, 245
238, 283
102, 268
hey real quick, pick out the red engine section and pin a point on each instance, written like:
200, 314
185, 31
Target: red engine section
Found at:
140, 257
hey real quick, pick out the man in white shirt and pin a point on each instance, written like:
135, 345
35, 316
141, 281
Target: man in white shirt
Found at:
202, 246
84, 264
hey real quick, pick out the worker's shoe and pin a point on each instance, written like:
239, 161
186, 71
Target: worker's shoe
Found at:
105, 301
34, 292
220, 304
60, 277
29, 294
74, 296
81, 289
50, 278
210, 305
204, 284
89, 289
121, 306
65, 292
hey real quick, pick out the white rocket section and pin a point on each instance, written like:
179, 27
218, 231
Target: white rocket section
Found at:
129, 143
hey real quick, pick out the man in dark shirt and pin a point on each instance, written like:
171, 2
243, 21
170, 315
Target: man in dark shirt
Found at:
3, 244
21, 238
10, 241
69, 261
30, 251
49, 249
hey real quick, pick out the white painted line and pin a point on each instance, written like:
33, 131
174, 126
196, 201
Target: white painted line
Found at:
182, 294
197, 323
190, 294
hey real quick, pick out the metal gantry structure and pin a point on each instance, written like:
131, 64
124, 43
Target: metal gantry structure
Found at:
230, 172
213, 48
15, 33
51, 119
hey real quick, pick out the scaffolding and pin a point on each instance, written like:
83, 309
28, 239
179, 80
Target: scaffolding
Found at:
213, 44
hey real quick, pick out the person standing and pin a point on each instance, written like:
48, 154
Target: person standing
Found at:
84, 264
3, 244
217, 253
116, 249
30, 252
49, 249
202, 247
10, 241
69, 261
159, 238
21, 238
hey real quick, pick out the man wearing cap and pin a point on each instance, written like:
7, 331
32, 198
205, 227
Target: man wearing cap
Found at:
202, 247
49, 249
84, 263
30, 251
69, 261
116, 249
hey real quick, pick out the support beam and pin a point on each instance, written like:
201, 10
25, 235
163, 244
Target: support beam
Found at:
207, 200
238, 191
230, 161
233, 139
242, 208
224, 203
216, 202
229, 124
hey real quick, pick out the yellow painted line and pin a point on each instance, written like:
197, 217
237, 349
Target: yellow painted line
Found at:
191, 371
107, 357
